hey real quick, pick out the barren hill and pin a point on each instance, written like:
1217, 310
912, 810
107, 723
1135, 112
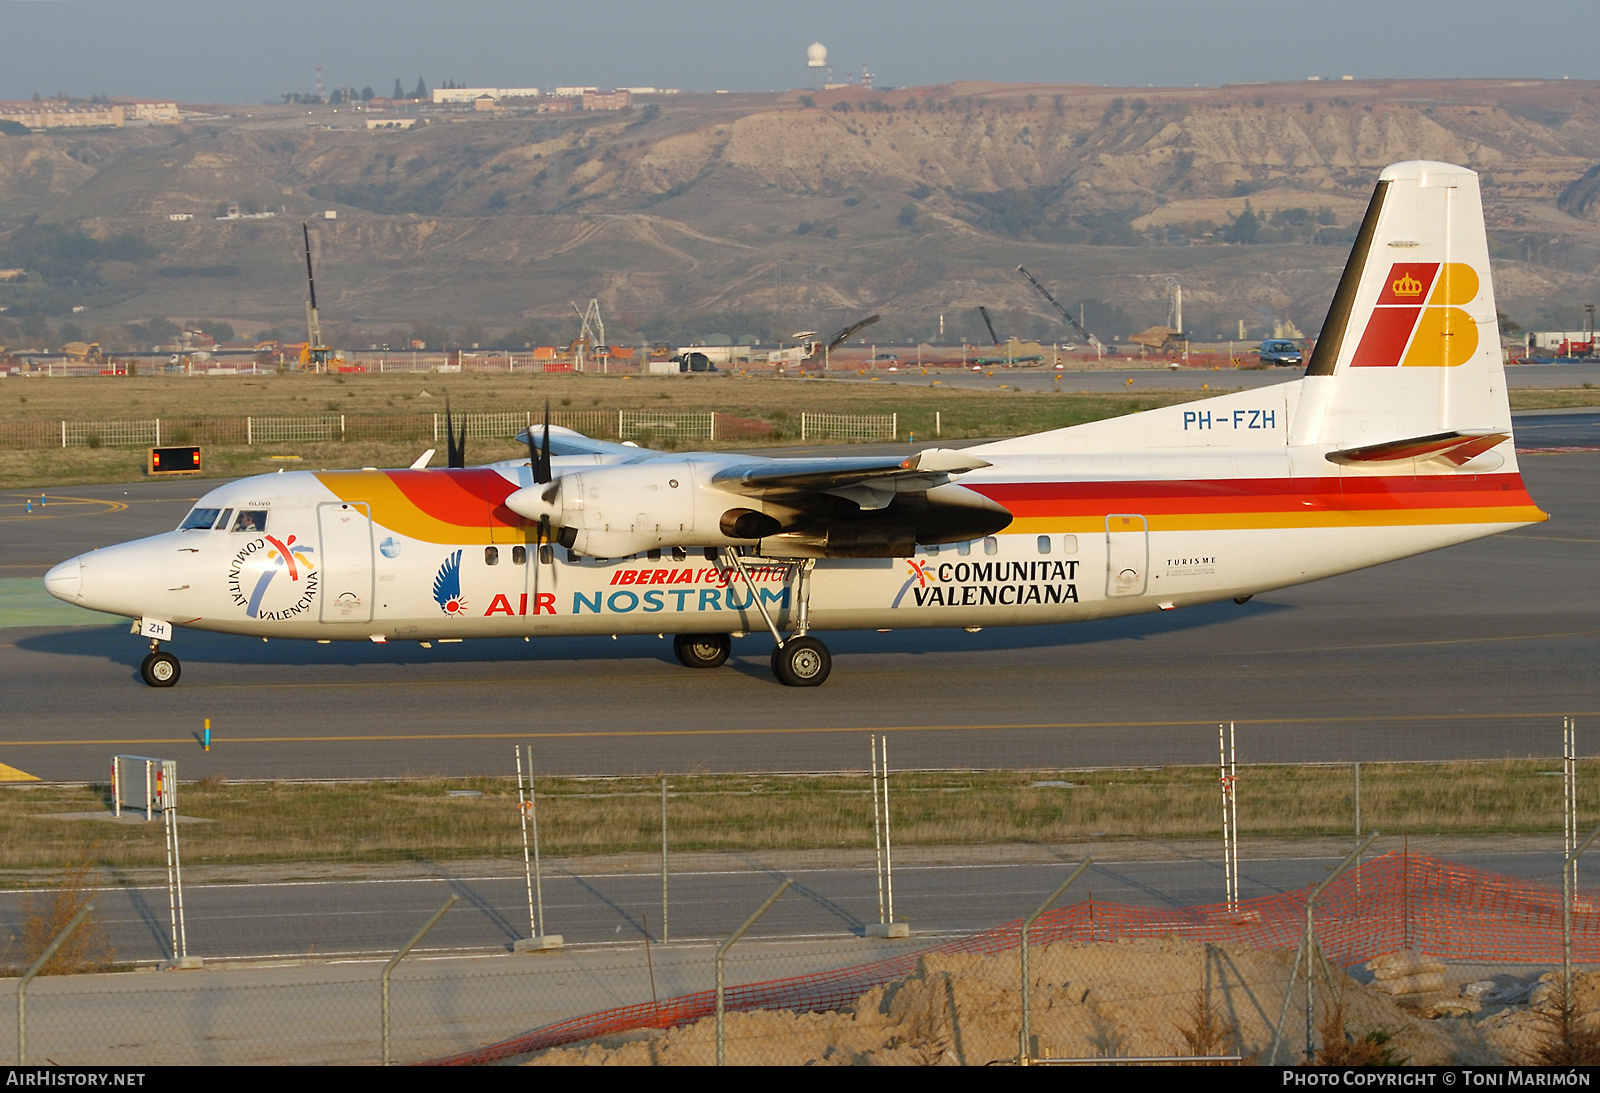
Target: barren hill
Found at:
759, 214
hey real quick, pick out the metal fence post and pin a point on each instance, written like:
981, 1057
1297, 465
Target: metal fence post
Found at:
722, 951
664, 934
399, 956
1025, 1048
1569, 891
27, 977
1307, 942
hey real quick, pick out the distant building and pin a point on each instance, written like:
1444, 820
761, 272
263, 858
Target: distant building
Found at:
149, 111
555, 106
390, 122
472, 94
62, 114
573, 92
180, 216
13, 274
609, 100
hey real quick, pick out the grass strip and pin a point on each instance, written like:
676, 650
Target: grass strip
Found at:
401, 821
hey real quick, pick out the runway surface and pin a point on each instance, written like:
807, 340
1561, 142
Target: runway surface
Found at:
1475, 651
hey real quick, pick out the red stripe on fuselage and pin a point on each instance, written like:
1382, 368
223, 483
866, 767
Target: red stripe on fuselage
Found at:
1386, 492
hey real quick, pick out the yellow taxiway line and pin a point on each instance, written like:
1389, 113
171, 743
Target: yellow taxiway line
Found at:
803, 730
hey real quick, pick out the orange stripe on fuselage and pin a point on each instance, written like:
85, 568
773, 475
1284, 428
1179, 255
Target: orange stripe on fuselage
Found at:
442, 506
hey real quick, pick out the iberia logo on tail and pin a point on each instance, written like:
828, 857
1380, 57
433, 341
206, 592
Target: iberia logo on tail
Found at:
1418, 322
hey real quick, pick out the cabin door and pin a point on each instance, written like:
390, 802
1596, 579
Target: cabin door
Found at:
1127, 555
346, 566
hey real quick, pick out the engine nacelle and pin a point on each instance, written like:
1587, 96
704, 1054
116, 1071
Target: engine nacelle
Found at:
612, 512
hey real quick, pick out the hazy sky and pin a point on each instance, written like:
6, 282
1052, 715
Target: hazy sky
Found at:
225, 51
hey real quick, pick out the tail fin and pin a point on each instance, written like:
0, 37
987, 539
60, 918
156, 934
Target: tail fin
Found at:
1411, 345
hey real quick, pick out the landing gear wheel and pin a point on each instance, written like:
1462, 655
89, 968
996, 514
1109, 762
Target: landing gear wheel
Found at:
160, 669
802, 662
702, 650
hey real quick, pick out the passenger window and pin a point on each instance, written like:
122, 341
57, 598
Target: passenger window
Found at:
1069, 544
250, 520
1044, 544
964, 549
653, 555
199, 520
519, 555
546, 555
491, 555
933, 549
991, 545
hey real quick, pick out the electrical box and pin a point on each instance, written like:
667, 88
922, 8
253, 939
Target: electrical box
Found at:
178, 460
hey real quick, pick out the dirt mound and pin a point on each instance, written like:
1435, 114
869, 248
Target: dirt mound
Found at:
1134, 998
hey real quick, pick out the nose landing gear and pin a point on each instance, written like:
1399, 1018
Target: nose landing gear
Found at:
160, 669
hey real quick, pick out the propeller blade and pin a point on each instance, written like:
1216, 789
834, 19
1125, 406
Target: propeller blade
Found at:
544, 465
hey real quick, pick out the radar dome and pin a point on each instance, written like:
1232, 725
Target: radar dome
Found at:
816, 55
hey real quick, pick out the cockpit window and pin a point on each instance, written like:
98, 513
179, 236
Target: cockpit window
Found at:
250, 520
199, 519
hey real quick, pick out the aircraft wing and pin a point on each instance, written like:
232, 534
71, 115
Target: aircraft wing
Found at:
870, 481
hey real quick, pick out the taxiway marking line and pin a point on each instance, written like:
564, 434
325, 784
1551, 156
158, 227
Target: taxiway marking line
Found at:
809, 730
109, 508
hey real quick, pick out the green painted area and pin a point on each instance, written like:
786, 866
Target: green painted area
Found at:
24, 602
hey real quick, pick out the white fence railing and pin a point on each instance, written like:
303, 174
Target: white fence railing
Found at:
647, 426
849, 426
678, 424
110, 434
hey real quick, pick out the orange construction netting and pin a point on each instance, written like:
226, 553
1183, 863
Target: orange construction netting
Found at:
1397, 901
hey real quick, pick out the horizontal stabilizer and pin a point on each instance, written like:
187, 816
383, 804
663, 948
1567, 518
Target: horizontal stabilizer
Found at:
571, 442
1457, 447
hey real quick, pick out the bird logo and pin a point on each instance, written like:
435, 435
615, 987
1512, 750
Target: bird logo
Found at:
447, 586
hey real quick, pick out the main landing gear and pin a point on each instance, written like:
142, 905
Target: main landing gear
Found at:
801, 661
702, 650
160, 669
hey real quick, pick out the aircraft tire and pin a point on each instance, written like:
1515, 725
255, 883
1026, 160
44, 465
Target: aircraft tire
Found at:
702, 650
802, 662
160, 670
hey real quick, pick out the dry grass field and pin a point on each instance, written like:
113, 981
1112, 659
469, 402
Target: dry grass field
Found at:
774, 401
375, 822
777, 402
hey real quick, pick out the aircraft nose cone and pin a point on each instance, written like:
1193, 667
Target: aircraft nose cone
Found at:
65, 581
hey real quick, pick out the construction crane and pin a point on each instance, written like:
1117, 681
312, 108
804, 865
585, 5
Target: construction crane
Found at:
315, 354
993, 337
591, 335
810, 346
1066, 315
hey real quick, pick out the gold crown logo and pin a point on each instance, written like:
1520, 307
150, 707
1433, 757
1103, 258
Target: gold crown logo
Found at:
1407, 286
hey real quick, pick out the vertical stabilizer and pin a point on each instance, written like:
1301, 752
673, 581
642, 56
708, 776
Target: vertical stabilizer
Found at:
1411, 344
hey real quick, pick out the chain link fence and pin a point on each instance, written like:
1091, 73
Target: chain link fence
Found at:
896, 936
1101, 982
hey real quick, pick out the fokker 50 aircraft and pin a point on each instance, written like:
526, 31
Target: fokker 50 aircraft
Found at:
1396, 441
